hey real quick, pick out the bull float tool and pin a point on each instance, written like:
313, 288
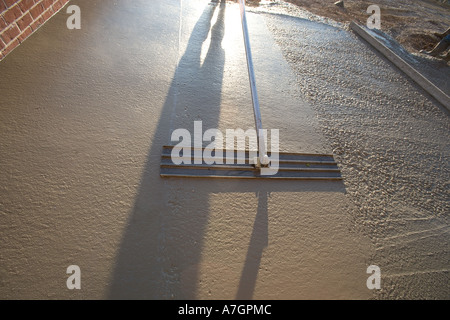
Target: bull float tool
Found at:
242, 163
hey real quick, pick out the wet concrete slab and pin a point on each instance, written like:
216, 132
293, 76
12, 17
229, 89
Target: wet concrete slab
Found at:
84, 115
391, 139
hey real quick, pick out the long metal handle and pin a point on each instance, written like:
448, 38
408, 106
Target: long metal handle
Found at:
263, 159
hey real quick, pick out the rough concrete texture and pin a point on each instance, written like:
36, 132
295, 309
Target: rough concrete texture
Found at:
392, 141
84, 115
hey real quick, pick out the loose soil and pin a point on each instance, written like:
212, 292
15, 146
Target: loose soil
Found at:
413, 23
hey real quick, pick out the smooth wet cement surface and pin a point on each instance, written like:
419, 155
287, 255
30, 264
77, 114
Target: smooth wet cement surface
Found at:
84, 114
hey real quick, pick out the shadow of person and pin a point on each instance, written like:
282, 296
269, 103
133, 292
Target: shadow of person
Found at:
161, 245
259, 240
161, 250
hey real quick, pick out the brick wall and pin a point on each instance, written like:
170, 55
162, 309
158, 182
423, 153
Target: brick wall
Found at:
20, 18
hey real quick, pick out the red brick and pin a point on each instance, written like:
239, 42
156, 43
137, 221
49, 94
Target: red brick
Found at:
10, 34
47, 3
37, 10
3, 24
2, 6
47, 14
37, 23
2, 45
10, 3
25, 21
12, 14
25, 34
10, 47
58, 5
25, 5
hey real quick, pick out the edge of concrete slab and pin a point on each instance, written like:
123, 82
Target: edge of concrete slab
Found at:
405, 67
